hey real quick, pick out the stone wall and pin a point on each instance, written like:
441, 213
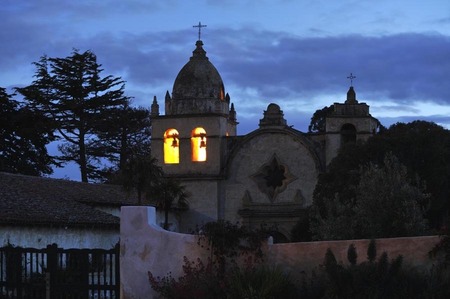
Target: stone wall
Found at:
306, 256
146, 247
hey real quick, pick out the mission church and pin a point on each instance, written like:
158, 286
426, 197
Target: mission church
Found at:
267, 176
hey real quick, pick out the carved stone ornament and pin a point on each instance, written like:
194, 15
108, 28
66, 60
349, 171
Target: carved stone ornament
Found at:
273, 178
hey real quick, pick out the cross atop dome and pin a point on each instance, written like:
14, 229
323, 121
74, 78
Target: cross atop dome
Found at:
351, 94
351, 77
199, 26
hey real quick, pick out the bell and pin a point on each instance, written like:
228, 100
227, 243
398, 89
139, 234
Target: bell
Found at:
174, 142
202, 144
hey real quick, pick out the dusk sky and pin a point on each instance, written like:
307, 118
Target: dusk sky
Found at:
295, 53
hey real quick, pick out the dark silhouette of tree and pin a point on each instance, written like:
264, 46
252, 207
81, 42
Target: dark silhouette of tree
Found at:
165, 193
24, 135
389, 203
73, 94
422, 147
317, 124
124, 136
141, 174
386, 204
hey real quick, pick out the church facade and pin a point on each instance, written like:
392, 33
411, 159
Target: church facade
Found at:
265, 177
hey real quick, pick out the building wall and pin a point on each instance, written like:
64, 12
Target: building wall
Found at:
258, 151
203, 203
309, 255
146, 247
365, 128
40, 237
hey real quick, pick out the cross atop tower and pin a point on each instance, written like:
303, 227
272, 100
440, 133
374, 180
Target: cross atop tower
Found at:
351, 77
199, 26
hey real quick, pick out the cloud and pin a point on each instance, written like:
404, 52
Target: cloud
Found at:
257, 66
404, 67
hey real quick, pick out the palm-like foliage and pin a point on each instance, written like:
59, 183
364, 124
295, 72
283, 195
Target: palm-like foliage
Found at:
165, 192
141, 174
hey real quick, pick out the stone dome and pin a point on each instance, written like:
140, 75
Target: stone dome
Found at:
198, 79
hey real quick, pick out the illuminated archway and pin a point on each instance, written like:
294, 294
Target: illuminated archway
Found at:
171, 147
198, 145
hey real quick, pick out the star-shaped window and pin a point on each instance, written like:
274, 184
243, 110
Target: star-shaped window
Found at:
272, 178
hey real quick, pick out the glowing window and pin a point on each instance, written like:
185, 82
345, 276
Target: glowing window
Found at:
221, 93
171, 147
198, 145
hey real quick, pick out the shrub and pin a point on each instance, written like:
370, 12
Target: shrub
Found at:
204, 281
376, 278
214, 279
260, 283
200, 280
352, 256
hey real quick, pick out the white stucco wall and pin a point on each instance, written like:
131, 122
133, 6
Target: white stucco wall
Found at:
40, 237
146, 247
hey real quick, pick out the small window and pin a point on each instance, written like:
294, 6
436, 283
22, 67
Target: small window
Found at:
171, 147
222, 93
198, 145
348, 134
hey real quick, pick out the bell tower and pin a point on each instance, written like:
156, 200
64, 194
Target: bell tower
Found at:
349, 122
190, 139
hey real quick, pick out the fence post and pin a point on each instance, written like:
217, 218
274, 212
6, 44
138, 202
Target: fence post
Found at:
83, 268
52, 267
117, 269
14, 270
47, 285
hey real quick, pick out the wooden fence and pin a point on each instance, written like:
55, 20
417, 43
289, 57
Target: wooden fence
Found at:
56, 273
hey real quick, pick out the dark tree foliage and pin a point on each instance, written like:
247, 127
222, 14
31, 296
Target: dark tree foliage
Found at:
352, 255
423, 147
73, 94
317, 124
128, 135
301, 231
123, 137
140, 173
386, 203
389, 204
378, 278
24, 135
165, 193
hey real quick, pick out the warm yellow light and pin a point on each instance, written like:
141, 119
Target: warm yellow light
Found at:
171, 147
198, 145
222, 94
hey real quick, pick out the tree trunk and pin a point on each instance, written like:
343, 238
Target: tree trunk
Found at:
82, 161
166, 213
166, 219
139, 193
123, 155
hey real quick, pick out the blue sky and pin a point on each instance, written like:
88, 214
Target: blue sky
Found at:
292, 52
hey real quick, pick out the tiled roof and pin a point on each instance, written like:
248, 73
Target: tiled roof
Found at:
28, 200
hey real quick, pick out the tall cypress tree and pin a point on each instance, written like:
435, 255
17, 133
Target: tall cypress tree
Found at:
24, 135
72, 92
124, 135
